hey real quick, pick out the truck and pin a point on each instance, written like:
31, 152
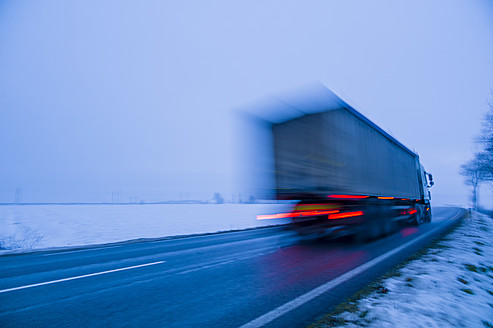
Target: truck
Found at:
347, 175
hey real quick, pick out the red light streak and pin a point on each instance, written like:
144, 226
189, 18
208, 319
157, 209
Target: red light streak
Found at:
308, 213
347, 196
318, 204
277, 216
345, 215
294, 214
409, 211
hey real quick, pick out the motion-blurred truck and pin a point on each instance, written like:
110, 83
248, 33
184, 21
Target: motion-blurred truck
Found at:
349, 175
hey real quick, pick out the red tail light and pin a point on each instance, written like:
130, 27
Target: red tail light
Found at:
345, 215
410, 211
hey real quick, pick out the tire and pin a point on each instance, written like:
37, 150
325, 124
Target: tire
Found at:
369, 232
419, 216
428, 215
376, 230
388, 227
359, 237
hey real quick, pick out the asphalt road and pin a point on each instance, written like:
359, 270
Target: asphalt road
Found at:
264, 277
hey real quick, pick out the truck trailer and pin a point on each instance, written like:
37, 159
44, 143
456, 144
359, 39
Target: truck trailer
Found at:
347, 175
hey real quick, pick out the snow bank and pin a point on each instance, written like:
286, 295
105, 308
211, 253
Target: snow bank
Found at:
42, 226
450, 286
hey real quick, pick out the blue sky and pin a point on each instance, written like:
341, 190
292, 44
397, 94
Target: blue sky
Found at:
100, 96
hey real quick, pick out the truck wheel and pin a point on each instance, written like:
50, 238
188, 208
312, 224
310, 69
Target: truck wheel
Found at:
376, 230
368, 232
362, 236
419, 216
389, 226
428, 215
359, 237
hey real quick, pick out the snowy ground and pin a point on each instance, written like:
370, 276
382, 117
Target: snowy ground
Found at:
450, 286
42, 226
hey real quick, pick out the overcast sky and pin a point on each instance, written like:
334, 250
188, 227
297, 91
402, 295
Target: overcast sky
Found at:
101, 96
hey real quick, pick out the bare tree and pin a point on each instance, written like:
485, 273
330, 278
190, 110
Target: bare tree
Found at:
474, 173
480, 168
485, 158
486, 137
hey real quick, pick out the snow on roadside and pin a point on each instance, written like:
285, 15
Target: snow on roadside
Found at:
43, 226
450, 286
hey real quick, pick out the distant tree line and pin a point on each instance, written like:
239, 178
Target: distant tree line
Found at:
479, 169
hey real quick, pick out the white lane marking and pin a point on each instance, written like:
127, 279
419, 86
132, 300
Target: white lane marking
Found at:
80, 250
79, 277
300, 300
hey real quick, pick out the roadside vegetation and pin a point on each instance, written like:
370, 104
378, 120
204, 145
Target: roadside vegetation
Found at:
479, 169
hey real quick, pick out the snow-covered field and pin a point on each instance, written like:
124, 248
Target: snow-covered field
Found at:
44, 226
450, 286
